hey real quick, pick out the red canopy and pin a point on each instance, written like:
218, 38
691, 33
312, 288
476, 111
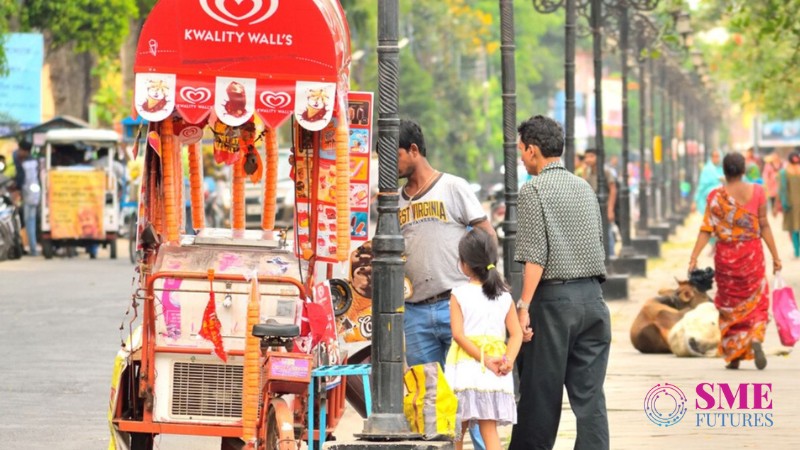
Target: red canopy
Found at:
240, 57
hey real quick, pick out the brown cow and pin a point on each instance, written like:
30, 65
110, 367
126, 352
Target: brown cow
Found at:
650, 329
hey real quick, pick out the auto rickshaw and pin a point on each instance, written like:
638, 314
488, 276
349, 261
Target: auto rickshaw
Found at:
80, 196
236, 324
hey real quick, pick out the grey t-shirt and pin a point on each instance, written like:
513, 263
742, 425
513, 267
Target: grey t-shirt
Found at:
432, 226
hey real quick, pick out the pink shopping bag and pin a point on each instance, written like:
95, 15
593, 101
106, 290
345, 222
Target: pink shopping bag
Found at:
784, 309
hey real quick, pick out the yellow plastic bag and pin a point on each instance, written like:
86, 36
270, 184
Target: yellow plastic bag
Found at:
430, 405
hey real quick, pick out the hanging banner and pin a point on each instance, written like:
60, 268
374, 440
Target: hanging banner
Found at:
359, 116
314, 104
235, 100
155, 95
195, 99
275, 103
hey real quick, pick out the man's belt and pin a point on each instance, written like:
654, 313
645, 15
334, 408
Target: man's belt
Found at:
434, 299
558, 282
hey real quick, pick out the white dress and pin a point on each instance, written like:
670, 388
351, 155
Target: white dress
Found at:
482, 395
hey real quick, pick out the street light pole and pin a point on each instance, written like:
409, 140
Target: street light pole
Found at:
651, 115
571, 18
642, 228
602, 186
512, 269
387, 420
687, 125
624, 191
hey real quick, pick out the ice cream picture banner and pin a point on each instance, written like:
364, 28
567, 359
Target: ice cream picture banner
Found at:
155, 95
273, 58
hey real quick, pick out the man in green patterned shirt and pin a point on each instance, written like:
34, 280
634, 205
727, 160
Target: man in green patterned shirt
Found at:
560, 244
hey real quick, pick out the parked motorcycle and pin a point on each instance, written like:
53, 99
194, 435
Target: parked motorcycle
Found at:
10, 226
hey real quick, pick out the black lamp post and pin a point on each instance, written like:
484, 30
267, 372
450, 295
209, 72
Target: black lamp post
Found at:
623, 17
512, 269
666, 154
387, 420
571, 18
644, 33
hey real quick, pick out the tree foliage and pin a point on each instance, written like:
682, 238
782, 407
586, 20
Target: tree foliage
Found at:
98, 26
450, 73
761, 58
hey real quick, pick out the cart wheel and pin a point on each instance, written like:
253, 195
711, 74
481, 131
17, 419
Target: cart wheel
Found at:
280, 427
113, 244
142, 441
47, 248
342, 296
17, 249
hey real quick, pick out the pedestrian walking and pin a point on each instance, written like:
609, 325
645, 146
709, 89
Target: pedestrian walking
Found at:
481, 313
710, 178
772, 175
560, 244
28, 182
737, 217
790, 199
436, 209
590, 175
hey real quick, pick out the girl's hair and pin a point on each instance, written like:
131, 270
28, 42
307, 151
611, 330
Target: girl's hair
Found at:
794, 157
478, 251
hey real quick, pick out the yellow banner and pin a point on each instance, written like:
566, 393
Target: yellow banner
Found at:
657, 149
76, 200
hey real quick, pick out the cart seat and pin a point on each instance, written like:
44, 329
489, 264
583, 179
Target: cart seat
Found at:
274, 329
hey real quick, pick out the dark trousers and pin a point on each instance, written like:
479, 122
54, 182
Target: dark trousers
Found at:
570, 346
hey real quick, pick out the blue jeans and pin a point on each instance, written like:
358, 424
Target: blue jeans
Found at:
30, 211
428, 337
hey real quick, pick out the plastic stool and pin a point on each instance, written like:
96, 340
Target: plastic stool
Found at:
333, 371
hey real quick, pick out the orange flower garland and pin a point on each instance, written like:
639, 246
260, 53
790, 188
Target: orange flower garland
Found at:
168, 172
196, 186
271, 182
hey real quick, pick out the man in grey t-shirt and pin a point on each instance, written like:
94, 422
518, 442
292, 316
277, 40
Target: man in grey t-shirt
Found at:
436, 210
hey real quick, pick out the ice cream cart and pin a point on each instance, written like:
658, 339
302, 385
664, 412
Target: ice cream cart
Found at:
233, 322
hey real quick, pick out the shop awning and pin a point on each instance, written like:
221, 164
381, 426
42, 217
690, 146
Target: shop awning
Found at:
243, 57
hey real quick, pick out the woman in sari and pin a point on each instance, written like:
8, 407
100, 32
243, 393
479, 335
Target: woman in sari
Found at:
737, 216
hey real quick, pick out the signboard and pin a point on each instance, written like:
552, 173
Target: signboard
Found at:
21, 88
359, 116
76, 201
779, 133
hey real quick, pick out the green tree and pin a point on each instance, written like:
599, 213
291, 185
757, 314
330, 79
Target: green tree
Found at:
761, 57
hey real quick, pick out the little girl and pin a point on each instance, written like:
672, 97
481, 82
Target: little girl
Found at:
479, 363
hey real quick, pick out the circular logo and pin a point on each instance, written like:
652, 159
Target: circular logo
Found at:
665, 405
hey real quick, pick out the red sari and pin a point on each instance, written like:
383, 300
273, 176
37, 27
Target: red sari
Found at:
742, 290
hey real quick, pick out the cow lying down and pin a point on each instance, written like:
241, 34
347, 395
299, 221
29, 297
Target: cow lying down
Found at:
681, 321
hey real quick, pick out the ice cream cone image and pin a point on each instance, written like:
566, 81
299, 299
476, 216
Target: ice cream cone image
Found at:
156, 96
317, 105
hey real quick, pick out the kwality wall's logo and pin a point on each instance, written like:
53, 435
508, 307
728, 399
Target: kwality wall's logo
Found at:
236, 12
717, 405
